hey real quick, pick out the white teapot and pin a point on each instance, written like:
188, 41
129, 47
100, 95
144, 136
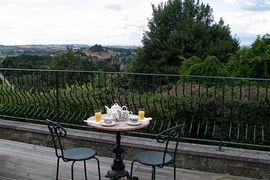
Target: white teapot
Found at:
125, 113
115, 111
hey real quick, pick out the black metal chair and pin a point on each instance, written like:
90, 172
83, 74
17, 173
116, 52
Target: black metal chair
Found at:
72, 154
161, 158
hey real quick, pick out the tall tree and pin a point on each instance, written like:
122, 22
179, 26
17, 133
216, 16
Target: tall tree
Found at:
178, 30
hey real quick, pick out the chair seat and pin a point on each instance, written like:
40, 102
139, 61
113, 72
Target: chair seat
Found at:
152, 158
78, 154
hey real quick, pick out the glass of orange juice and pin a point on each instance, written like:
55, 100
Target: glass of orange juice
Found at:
141, 113
98, 115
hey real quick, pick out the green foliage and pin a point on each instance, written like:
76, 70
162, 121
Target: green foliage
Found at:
188, 63
26, 61
253, 61
179, 30
239, 64
105, 66
211, 66
201, 107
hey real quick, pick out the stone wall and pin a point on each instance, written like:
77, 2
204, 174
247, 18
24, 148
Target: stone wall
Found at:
240, 162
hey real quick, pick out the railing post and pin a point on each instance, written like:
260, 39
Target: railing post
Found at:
57, 94
222, 116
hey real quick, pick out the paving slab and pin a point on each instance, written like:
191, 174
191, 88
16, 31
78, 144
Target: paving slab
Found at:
32, 162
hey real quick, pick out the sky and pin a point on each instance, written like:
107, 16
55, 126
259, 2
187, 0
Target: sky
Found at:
112, 22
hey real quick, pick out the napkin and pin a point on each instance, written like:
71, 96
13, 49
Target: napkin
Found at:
147, 119
91, 121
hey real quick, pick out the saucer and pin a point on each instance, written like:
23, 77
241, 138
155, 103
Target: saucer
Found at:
134, 124
108, 125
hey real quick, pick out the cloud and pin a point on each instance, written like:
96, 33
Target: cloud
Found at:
247, 24
246, 18
250, 5
70, 21
115, 6
229, 1
5, 27
255, 5
110, 21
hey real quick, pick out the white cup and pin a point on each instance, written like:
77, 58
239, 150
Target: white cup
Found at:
133, 120
108, 120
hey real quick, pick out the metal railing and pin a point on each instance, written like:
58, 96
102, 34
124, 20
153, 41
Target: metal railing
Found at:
220, 110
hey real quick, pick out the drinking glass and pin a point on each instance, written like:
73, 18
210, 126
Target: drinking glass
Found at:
98, 115
141, 113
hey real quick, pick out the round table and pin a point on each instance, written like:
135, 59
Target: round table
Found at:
118, 167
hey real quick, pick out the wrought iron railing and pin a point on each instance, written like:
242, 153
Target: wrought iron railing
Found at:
222, 110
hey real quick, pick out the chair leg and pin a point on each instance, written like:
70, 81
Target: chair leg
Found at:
72, 176
85, 174
99, 176
57, 168
131, 169
174, 172
153, 172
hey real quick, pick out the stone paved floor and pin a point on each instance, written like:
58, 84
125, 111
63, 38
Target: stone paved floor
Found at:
30, 162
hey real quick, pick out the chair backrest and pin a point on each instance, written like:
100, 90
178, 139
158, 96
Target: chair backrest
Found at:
172, 134
57, 133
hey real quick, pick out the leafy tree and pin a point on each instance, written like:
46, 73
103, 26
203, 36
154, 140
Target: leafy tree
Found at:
178, 30
211, 66
253, 61
239, 64
188, 63
105, 66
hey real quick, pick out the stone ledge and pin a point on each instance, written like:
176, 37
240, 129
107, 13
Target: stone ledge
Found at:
235, 161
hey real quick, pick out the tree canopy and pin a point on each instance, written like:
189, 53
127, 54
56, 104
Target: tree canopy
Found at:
178, 30
211, 66
253, 61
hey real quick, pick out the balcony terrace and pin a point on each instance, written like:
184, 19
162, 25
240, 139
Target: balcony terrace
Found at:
27, 162
227, 132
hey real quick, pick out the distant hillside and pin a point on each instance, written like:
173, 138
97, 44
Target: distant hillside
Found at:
97, 48
40, 56
98, 52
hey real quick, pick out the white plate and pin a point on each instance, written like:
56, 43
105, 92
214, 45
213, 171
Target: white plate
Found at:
134, 124
108, 125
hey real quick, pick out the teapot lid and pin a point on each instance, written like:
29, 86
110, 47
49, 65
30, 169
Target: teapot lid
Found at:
116, 106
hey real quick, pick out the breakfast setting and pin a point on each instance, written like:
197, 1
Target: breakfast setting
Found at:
118, 117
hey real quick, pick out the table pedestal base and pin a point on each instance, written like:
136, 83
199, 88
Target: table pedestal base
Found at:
117, 174
118, 167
